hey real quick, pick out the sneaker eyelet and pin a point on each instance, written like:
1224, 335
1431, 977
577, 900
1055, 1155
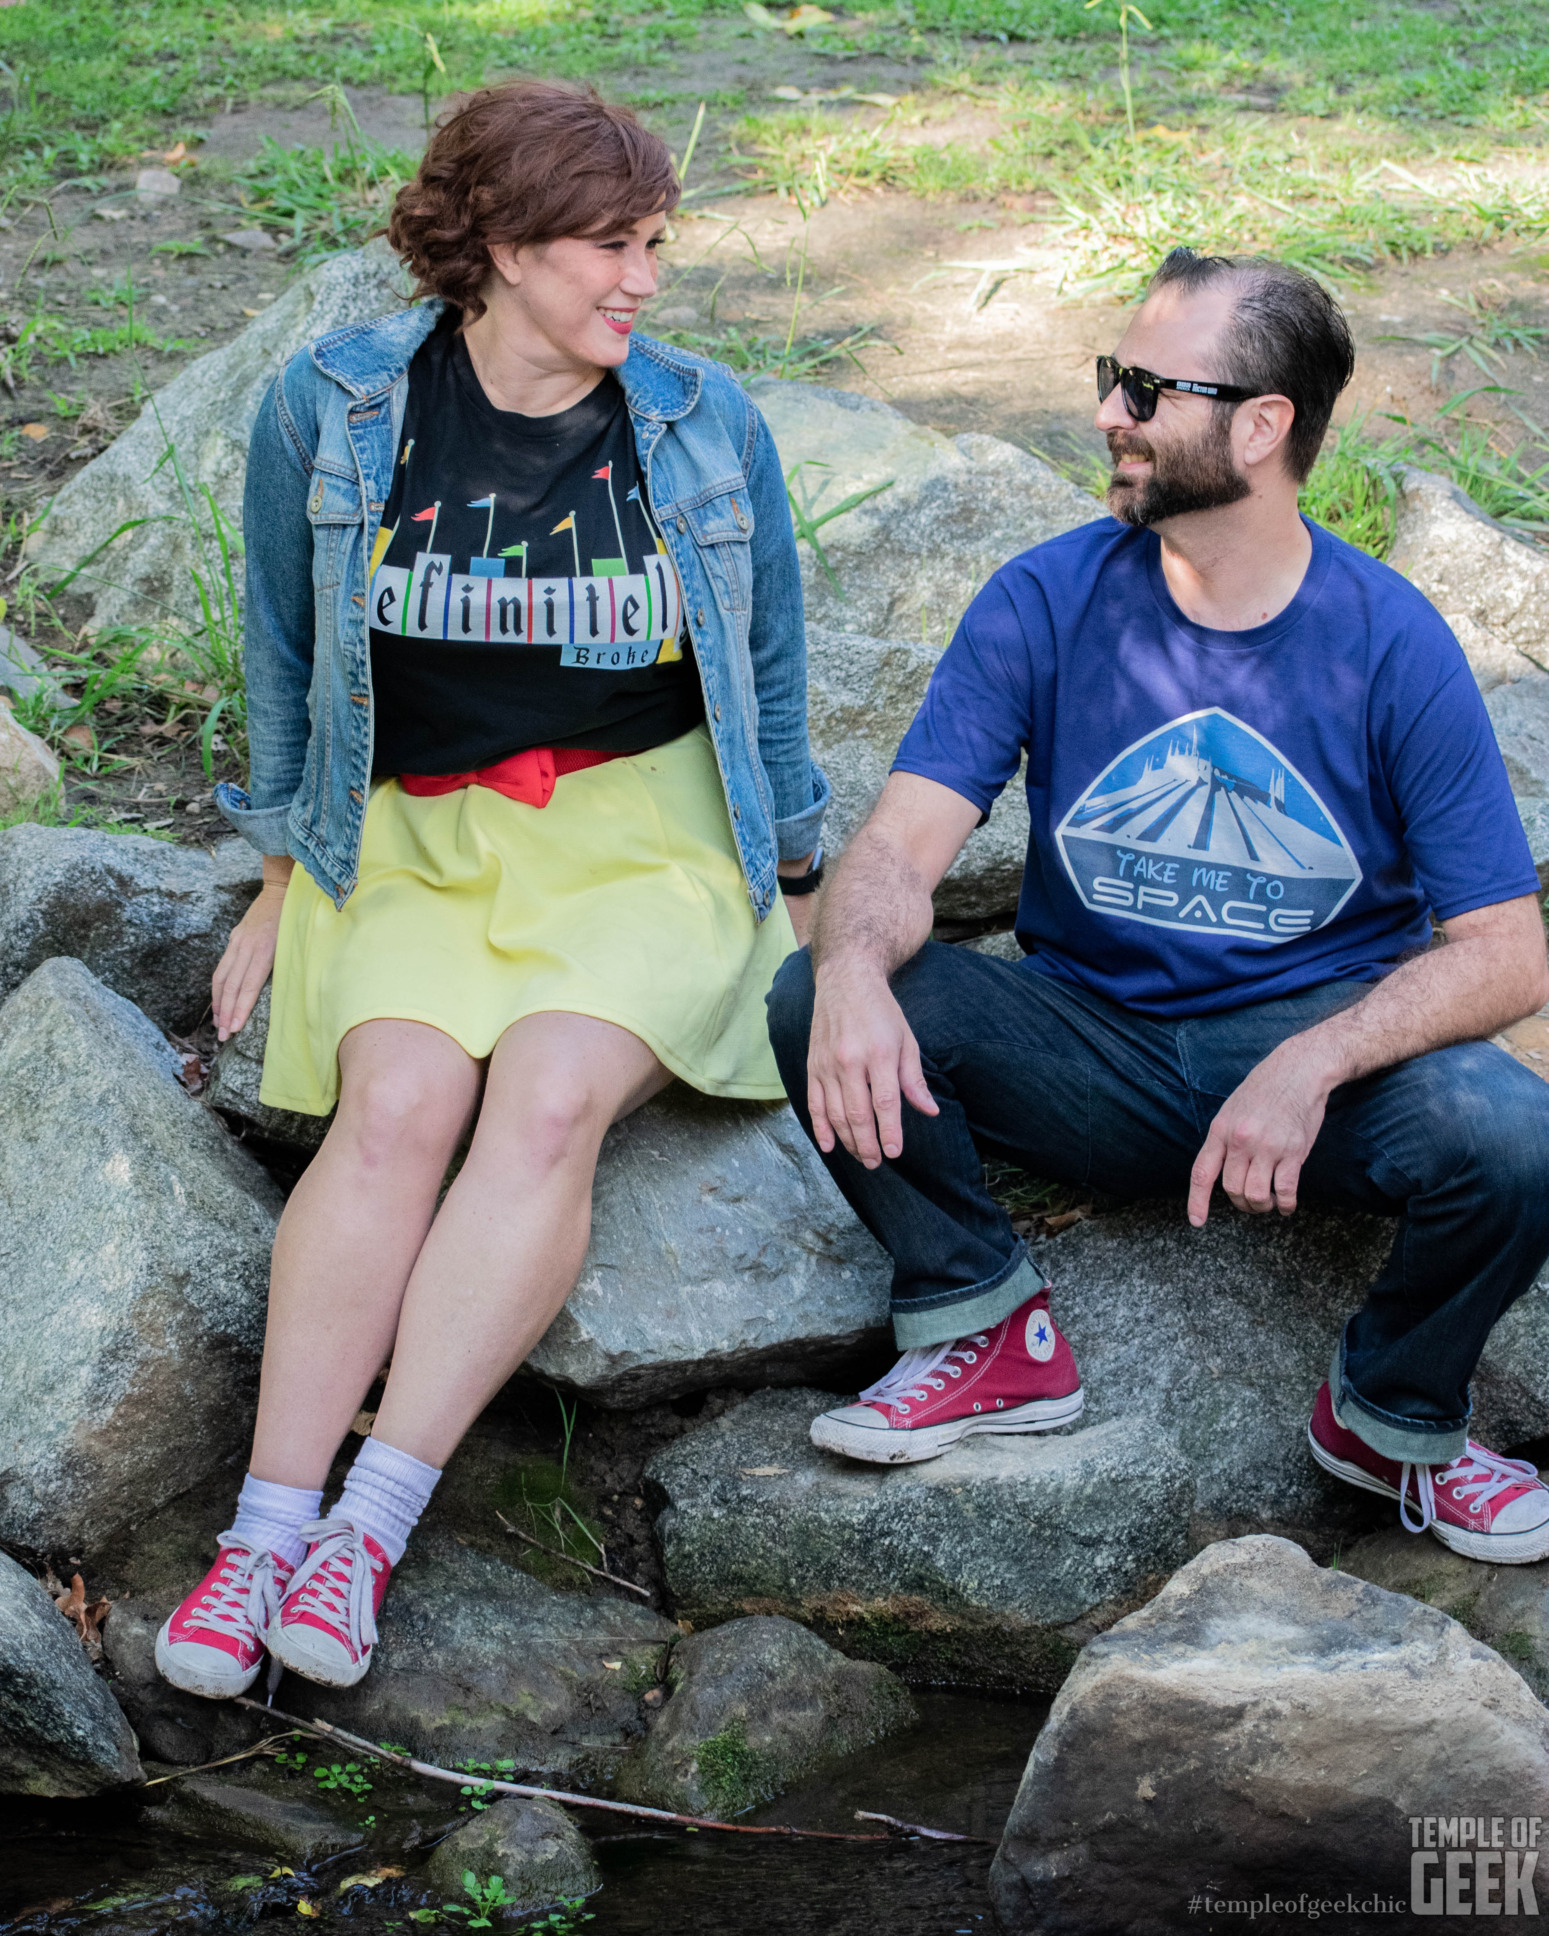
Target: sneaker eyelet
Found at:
978, 1408
971, 1357
954, 1371
998, 1403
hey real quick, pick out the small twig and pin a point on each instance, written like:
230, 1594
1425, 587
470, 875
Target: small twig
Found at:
596, 1571
486, 1784
226, 1760
914, 1828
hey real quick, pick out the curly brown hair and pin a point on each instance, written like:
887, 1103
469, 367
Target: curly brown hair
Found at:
522, 164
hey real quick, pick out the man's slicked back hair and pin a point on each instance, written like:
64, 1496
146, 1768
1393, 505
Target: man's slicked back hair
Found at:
1287, 335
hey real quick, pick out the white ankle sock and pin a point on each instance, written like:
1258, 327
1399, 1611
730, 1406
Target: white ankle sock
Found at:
385, 1493
270, 1516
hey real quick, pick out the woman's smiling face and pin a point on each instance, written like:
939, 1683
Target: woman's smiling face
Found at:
575, 300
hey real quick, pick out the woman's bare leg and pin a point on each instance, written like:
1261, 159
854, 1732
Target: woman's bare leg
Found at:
506, 1248
349, 1238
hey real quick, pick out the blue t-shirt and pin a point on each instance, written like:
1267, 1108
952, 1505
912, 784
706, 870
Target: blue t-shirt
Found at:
1221, 818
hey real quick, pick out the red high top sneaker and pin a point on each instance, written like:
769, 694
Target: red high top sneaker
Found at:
1019, 1376
1481, 1505
327, 1623
214, 1644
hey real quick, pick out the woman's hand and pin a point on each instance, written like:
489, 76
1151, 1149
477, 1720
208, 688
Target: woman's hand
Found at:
243, 969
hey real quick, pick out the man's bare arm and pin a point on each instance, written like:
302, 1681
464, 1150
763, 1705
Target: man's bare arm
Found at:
1491, 973
875, 913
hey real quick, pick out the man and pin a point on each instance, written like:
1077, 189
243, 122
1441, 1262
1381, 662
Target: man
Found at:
1257, 767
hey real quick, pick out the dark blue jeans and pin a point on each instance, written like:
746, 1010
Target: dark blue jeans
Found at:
1455, 1145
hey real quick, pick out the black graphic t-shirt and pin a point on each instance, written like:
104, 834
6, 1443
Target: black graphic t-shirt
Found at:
520, 594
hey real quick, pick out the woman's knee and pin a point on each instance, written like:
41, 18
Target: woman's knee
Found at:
554, 1119
396, 1114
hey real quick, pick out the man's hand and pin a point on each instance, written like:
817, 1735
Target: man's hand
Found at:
1261, 1135
863, 1058
243, 969
1490, 973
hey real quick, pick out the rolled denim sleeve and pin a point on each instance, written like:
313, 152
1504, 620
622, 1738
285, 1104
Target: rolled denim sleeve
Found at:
778, 644
278, 627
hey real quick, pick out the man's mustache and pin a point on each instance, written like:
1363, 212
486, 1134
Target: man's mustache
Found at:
1123, 443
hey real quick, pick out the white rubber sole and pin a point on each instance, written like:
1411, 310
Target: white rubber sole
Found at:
1505, 1549
289, 1648
175, 1667
879, 1446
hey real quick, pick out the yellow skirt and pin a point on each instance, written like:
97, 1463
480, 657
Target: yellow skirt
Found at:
623, 898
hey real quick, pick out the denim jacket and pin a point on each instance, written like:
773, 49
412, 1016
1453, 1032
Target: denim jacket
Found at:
319, 468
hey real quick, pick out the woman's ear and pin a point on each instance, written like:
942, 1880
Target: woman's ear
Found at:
507, 262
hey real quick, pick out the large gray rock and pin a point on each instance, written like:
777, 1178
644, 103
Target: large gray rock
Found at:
28, 770
755, 1705
721, 1253
249, 1808
910, 560
134, 1259
862, 694
1220, 1338
478, 1661
534, 1847
1534, 814
61, 1732
1262, 1728
1507, 1607
1520, 715
206, 414
988, 1566
148, 918
235, 1076
1491, 587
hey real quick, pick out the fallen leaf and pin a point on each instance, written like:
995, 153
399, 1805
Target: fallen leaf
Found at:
362, 1423
760, 16
655, 1697
369, 1879
786, 93
80, 734
250, 312
86, 1617
614, 1665
275, 1874
36, 431
1054, 1225
800, 19
764, 1471
305, 1908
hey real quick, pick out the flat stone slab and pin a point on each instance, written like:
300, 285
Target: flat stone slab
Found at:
1220, 1338
987, 1567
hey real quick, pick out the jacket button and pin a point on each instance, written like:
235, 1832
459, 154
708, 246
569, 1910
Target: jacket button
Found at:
741, 517
683, 524
317, 501
736, 812
699, 616
718, 715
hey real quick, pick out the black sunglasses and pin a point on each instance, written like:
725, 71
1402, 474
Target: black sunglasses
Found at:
1141, 388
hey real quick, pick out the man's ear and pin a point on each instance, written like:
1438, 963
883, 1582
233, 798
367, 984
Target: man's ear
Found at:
1263, 426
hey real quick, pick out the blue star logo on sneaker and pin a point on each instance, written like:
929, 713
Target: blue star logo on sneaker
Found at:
1204, 825
1040, 1337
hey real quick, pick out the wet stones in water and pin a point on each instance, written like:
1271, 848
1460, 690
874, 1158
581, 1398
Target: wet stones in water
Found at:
932, 1568
137, 1257
534, 1848
752, 1707
1260, 1727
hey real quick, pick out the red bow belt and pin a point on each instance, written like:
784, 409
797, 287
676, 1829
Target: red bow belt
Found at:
528, 777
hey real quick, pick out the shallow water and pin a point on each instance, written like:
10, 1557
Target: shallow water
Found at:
94, 1867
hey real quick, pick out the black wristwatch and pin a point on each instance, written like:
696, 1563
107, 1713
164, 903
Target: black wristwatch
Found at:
793, 885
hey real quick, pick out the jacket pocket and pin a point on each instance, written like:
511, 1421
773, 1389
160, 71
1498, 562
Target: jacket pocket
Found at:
333, 508
722, 530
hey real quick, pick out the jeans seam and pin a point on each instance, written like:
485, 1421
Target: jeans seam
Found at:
935, 1300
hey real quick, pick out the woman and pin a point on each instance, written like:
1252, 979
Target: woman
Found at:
527, 701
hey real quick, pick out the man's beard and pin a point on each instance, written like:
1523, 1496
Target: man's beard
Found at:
1195, 477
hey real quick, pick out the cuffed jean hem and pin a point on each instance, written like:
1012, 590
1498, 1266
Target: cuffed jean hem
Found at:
1407, 1440
933, 1321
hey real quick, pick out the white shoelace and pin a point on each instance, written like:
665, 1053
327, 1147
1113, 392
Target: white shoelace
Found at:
245, 1596
915, 1374
1478, 1472
344, 1603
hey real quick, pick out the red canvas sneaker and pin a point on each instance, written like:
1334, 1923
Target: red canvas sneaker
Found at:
327, 1622
214, 1644
1481, 1505
1019, 1376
